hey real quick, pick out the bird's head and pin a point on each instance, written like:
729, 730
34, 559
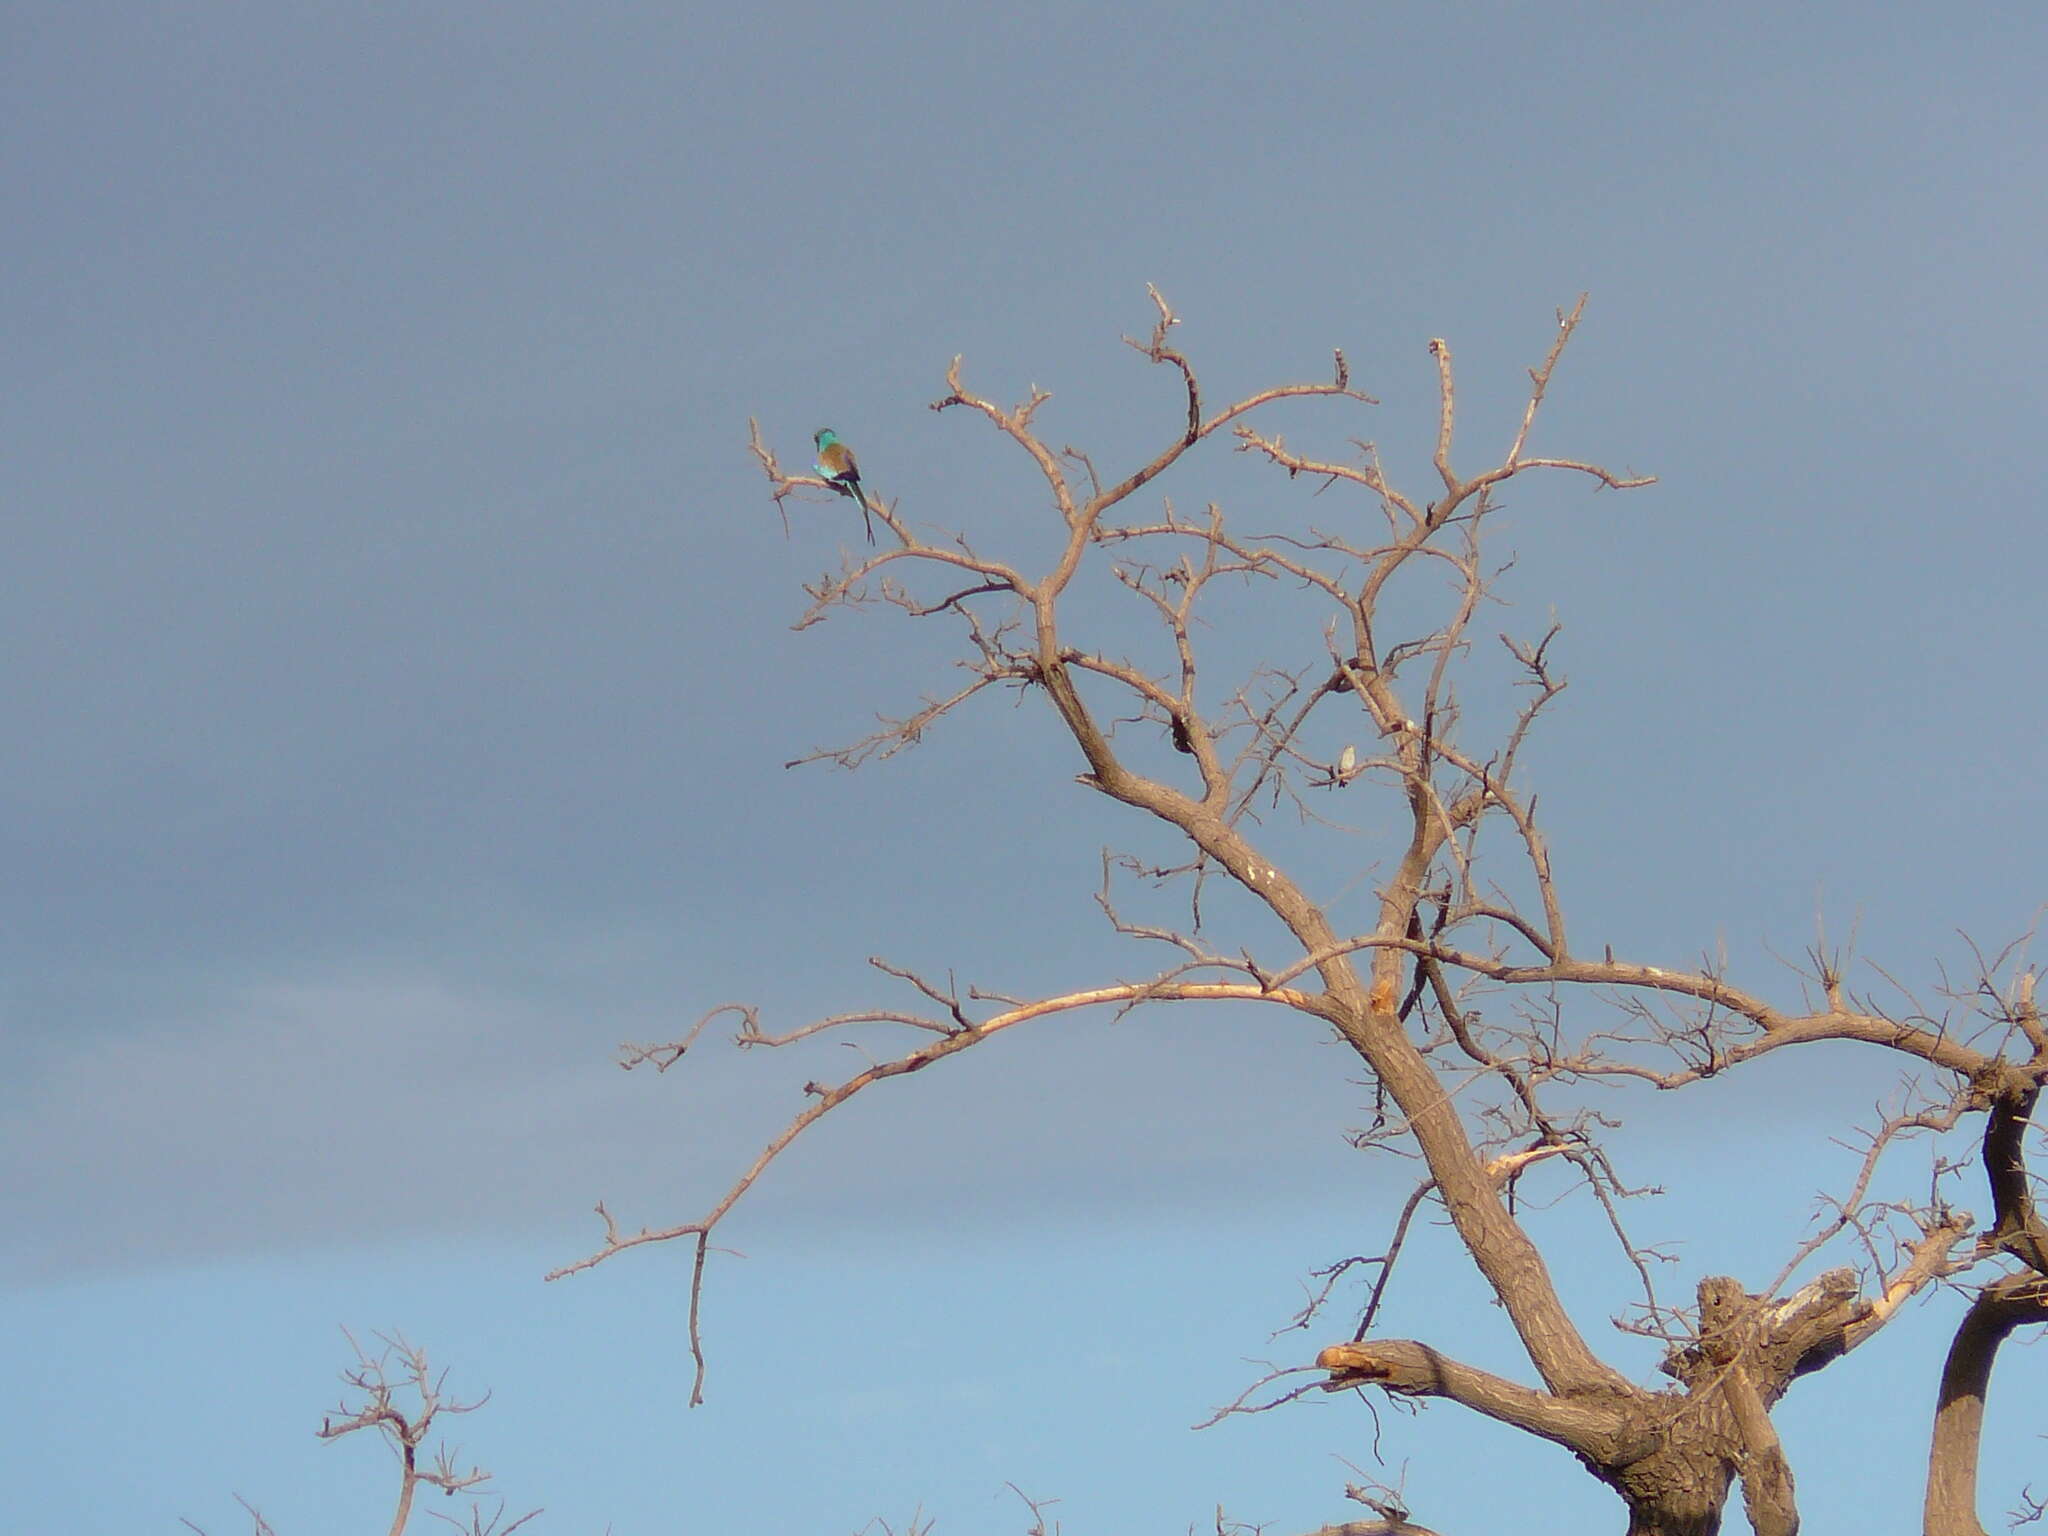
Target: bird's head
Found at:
824, 437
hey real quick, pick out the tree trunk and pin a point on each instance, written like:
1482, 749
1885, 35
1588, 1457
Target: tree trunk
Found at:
1951, 1508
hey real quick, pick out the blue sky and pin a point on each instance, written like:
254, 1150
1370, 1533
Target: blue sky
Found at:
399, 676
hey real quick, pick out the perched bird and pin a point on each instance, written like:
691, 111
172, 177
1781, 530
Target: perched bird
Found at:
835, 463
1347, 765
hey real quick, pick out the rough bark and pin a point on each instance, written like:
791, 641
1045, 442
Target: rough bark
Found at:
1729, 1335
1673, 1456
1951, 1508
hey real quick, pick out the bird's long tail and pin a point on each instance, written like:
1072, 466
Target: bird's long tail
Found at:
860, 495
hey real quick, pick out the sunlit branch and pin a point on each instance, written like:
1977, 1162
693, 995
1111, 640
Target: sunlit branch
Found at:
828, 1098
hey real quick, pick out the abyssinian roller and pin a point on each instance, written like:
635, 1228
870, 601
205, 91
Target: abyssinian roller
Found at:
836, 464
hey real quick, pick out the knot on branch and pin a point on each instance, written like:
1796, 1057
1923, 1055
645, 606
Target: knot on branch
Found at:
1999, 1081
1777, 1339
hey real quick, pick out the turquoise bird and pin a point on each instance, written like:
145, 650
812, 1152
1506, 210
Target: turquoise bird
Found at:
835, 463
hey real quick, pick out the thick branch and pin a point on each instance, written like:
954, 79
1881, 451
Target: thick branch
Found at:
1951, 1508
1591, 1426
1998, 1309
2017, 1228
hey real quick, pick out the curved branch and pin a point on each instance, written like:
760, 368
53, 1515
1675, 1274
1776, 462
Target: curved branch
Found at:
1016, 425
830, 1098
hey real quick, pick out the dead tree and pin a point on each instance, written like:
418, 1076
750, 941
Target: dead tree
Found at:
1465, 905
397, 1394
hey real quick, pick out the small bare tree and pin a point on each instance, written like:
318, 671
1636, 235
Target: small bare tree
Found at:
397, 1393
1405, 695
